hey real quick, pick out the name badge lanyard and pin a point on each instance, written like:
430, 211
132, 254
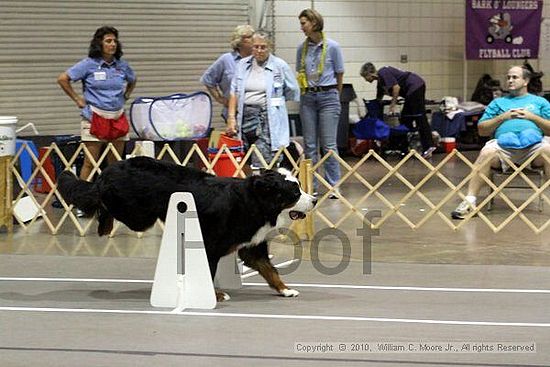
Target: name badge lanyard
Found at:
321, 65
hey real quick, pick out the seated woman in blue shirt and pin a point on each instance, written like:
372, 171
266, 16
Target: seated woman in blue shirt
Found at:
257, 104
107, 82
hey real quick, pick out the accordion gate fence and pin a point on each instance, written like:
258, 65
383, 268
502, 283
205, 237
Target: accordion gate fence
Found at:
349, 208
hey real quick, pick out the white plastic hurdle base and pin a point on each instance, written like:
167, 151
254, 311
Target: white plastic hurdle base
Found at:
182, 277
26, 209
228, 274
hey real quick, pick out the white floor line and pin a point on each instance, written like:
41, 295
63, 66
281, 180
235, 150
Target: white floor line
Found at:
279, 316
403, 288
84, 280
304, 285
278, 266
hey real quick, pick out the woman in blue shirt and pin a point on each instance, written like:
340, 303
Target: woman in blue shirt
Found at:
107, 82
217, 78
257, 104
320, 66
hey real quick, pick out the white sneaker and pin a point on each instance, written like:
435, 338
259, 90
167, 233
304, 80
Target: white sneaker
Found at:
79, 213
428, 153
335, 194
462, 210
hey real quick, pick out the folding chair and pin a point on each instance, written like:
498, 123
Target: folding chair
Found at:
536, 175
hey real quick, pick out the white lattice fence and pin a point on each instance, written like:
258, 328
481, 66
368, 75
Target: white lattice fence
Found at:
367, 188
439, 207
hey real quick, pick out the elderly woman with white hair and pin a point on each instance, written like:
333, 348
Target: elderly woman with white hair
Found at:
217, 78
257, 105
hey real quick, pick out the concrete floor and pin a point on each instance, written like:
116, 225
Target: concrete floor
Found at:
68, 300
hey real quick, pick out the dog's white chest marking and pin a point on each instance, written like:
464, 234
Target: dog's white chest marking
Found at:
266, 231
305, 203
261, 234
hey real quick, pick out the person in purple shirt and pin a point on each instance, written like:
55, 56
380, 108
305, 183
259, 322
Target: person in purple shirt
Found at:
398, 83
107, 82
217, 78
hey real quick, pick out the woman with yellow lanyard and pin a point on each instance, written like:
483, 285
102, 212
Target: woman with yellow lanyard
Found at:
320, 66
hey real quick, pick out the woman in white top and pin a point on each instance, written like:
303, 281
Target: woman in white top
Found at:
257, 104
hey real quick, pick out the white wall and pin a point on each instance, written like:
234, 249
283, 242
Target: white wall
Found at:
429, 32
170, 44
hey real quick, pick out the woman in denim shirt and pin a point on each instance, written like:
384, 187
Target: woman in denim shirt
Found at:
257, 104
320, 66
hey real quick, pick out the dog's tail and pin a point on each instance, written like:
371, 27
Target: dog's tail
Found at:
82, 194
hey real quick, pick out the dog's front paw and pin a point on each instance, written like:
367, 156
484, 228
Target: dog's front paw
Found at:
289, 293
222, 296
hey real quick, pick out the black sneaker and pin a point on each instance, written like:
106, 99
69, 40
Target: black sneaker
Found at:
335, 194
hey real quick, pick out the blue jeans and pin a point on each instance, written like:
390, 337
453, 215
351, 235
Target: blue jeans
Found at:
255, 130
320, 114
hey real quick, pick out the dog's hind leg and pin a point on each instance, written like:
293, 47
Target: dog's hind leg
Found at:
105, 220
257, 258
213, 264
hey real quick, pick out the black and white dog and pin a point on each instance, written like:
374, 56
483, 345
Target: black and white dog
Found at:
234, 213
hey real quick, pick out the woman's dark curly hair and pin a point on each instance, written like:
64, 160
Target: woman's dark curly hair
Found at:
535, 78
96, 46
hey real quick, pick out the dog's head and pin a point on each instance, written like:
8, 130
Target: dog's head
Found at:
282, 192
305, 202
